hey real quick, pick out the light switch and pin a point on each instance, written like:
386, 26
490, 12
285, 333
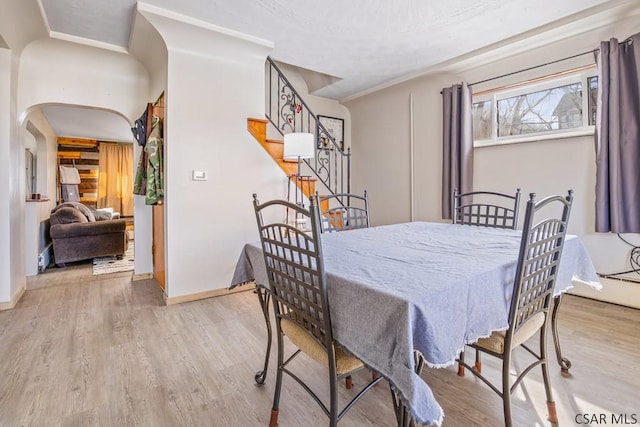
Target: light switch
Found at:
199, 175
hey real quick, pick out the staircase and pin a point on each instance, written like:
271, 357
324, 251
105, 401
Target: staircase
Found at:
275, 147
287, 112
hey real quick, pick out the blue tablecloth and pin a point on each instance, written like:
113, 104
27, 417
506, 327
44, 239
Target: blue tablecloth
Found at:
431, 287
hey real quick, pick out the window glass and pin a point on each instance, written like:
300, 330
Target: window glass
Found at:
551, 109
30, 172
547, 108
592, 82
482, 118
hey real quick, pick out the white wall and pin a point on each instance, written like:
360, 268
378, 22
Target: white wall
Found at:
38, 131
20, 22
57, 72
215, 82
47, 152
7, 120
381, 135
148, 47
381, 147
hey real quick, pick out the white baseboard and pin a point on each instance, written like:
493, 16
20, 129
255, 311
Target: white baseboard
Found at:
621, 292
142, 276
207, 294
14, 300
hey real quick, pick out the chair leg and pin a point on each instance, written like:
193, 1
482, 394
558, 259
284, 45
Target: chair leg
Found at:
348, 381
460, 367
478, 364
333, 399
273, 422
506, 403
551, 405
553, 415
506, 390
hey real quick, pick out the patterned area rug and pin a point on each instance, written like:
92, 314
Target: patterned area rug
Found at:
110, 264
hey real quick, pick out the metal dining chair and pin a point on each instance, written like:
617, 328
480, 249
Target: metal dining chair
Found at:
486, 208
295, 269
343, 211
543, 236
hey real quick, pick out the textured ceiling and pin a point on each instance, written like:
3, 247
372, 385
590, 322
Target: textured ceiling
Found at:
364, 43
361, 44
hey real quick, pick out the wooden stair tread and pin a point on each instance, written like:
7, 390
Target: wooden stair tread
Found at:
258, 128
302, 178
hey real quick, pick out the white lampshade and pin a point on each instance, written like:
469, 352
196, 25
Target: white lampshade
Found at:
298, 146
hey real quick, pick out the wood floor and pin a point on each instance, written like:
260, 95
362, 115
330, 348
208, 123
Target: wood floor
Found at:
85, 351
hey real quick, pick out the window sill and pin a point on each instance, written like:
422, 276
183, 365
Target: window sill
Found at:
535, 138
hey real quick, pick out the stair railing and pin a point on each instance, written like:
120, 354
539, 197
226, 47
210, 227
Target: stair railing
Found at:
288, 112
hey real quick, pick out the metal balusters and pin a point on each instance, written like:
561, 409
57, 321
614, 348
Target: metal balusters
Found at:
288, 112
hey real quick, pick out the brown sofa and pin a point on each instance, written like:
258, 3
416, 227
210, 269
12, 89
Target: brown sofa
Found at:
77, 236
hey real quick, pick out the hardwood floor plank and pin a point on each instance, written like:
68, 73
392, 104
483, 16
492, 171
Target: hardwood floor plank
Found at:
80, 350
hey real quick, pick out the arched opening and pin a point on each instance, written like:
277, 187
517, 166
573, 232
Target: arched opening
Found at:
49, 134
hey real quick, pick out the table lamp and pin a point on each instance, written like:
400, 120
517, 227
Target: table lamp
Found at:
298, 146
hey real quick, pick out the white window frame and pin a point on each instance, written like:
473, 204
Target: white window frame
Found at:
535, 86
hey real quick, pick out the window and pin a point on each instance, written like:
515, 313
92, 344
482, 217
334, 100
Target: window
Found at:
30, 166
551, 107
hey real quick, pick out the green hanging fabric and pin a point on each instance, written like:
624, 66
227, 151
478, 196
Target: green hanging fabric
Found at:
140, 179
155, 164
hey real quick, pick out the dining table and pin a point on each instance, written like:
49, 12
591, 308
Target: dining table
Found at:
422, 288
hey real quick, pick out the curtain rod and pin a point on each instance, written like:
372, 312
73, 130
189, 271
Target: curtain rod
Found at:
535, 80
627, 40
534, 67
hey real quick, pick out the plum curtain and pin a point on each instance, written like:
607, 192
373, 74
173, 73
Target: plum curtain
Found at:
457, 154
618, 137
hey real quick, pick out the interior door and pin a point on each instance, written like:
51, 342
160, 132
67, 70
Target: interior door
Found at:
159, 268
159, 271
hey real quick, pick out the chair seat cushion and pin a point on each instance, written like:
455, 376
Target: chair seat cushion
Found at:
300, 338
495, 342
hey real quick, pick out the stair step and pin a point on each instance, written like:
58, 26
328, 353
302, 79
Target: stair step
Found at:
324, 203
302, 178
275, 148
258, 128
